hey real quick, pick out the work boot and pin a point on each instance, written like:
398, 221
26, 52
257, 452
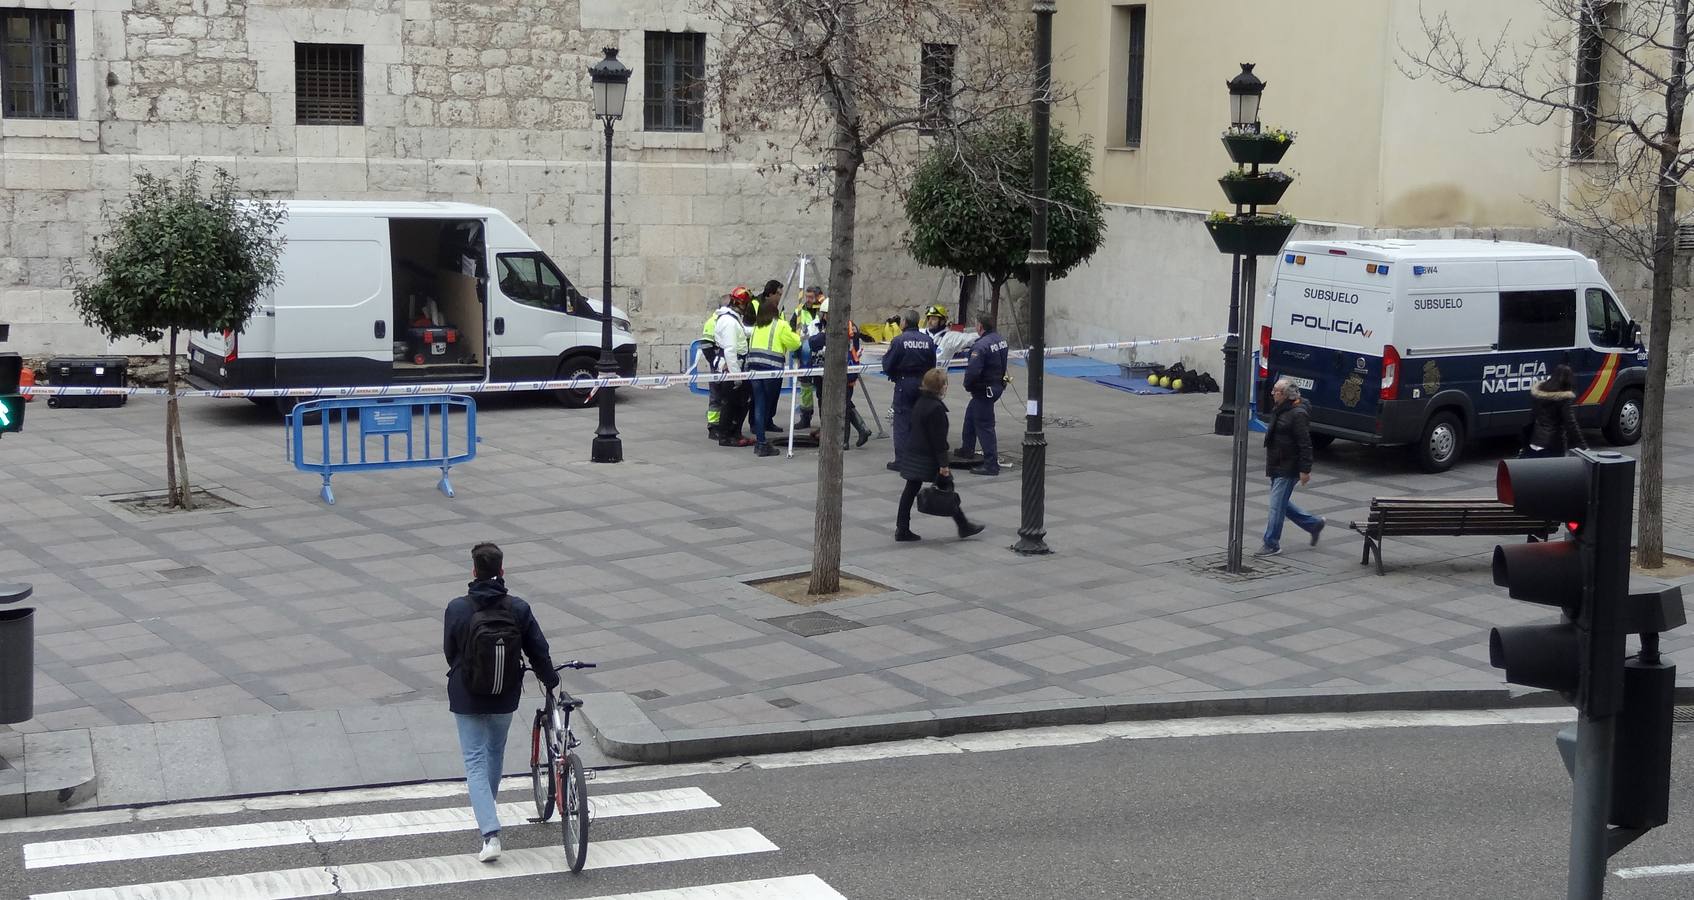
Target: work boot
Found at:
773, 427
805, 419
858, 423
735, 440
765, 449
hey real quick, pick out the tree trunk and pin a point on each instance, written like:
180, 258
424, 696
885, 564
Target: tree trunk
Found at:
1650, 518
832, 405
967, 287
176, 457
170, 424
994, 299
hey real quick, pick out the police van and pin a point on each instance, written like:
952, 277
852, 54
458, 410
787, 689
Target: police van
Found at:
1432, 343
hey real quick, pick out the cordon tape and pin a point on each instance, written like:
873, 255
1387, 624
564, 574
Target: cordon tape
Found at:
577, 383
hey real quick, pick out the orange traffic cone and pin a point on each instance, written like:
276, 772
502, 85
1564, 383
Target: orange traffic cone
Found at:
26, 378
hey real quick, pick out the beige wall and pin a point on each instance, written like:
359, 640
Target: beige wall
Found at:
1374, 147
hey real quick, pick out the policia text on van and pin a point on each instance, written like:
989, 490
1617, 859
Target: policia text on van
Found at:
1431, 343
388, 293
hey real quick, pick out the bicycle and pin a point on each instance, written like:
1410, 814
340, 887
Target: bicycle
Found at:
558, 779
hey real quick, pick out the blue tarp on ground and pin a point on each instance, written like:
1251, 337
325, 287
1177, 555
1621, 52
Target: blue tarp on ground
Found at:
1132, 385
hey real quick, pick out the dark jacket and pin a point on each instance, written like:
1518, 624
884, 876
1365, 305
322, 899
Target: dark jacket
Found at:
458, 618
1554, 427
1288, 440
986, 372
927, 453
909, 355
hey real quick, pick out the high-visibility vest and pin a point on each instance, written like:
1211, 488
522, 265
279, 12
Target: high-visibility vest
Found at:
769, 345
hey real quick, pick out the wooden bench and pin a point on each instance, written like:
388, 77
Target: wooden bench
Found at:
1455, 516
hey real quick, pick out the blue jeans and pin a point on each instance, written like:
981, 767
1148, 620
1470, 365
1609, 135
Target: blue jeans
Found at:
482, 741
979, 426
1282, 506
766, 393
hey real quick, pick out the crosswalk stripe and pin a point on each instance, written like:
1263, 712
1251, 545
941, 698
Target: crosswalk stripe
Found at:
218, 838
796, 887
319, 881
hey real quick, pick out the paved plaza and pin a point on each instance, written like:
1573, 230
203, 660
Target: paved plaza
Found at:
289, 644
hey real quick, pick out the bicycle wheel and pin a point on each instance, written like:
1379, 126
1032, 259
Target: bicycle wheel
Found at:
541, 763
573, 811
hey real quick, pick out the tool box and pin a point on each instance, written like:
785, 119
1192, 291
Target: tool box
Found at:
87, 371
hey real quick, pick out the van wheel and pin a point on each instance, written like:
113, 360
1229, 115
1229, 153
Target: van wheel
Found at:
1624, 426
572, 367
1442, 443
1320, 441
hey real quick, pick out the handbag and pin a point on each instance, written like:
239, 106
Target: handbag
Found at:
935, 500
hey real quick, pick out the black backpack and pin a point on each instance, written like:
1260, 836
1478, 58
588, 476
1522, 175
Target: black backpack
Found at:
491, 655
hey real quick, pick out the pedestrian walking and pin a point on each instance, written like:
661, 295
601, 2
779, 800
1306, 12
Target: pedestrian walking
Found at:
925, 459
1288, 460
767, 351
910, 354
985, 380
1553, 429
483, 633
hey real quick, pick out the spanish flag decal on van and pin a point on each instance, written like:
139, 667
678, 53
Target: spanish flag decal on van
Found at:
1602, 384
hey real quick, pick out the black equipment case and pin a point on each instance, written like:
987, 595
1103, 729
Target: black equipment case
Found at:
88, 371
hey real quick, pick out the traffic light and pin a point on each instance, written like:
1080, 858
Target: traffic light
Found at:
11, 402
1586, 576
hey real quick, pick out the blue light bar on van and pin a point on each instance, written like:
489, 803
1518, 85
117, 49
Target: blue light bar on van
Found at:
1382, 270
1417, 270
1287, 257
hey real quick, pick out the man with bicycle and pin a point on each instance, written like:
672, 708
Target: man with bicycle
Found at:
483, 634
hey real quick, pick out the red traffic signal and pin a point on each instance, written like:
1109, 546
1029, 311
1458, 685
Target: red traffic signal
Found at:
1552, 489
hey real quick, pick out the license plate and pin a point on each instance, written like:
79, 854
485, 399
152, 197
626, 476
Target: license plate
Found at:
1304, 384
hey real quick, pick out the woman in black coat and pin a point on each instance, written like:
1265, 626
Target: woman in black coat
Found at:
925, 458
1554, 429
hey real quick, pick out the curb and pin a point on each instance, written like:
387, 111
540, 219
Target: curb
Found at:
49, 772
624, 731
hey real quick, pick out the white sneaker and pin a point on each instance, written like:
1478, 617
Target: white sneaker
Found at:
490, 849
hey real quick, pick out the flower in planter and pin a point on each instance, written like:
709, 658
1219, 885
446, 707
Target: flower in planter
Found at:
1241, 174
1279, 135
1219, 216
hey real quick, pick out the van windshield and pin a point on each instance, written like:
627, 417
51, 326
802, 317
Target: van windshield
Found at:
532, 279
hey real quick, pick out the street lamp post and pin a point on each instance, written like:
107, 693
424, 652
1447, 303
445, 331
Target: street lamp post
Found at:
610, 79
1245, 90
1032, 531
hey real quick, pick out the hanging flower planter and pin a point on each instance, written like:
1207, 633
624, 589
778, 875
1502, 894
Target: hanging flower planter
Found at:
1262, 189
1250, 235
1261, 147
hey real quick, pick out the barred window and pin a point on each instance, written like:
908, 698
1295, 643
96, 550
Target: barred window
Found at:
1135, 89
37, 64
935, 86
329, 84
674, 94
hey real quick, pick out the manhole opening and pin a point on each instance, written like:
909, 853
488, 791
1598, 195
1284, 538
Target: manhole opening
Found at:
793, 588
157, 504
812, 624
651, 694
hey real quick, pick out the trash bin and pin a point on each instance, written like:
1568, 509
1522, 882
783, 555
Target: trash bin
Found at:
17, 657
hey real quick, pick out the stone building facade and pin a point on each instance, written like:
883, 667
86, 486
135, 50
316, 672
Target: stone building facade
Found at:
484, 101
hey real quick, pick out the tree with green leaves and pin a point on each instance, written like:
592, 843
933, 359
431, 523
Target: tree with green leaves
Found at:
969, 204
182, 257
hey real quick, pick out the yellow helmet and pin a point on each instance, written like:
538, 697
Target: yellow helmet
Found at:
936, 311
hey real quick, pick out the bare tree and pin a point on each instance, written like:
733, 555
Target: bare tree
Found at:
1618, 72
851, 83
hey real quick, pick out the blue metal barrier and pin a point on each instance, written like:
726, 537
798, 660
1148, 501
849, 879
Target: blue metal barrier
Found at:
350, 425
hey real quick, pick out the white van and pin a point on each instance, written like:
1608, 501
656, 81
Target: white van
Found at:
1431, 343
377, 293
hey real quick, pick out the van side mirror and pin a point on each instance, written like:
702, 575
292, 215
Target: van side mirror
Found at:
1635, 333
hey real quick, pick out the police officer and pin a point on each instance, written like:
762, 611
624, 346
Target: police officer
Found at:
985, 379
910, 355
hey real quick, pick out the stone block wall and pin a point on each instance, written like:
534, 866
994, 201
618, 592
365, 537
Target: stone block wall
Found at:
482, 101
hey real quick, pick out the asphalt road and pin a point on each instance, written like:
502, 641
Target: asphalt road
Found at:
1425, 812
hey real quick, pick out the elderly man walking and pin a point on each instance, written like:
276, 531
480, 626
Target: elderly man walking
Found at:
1288, 458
